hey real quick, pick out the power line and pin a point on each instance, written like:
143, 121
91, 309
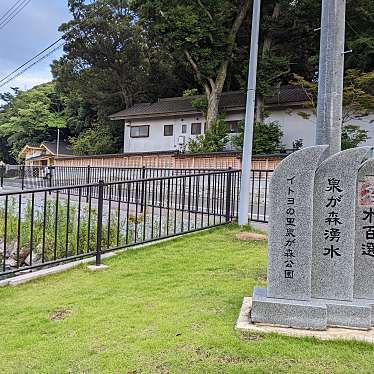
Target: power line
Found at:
30, 66
10, 10
26, 66
31, 59
14, 13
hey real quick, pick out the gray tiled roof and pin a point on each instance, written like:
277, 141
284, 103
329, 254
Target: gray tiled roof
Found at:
230, 101
63, 149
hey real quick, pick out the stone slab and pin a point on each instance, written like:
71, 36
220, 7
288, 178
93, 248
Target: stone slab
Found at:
290, 224
364, 247
315, 314
332, 333
334, 219
292, 313
343, 315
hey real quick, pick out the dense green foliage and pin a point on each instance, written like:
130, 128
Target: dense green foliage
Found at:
118, 53
358, 101
213, 140
167, 308
30, 117
266, 137
94, 140
353, 136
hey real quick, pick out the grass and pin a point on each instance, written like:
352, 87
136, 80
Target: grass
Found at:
167, 308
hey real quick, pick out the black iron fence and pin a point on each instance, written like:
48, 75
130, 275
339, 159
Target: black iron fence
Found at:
31, 177
49, 226
28, 177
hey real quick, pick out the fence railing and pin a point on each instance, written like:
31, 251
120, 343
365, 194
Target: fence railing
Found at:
49, 226
29, 177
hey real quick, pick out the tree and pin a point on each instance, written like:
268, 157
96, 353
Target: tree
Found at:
214, 139
93, 141
109, 63
353, 136
203, 33
358, 102
31, 117
266, 137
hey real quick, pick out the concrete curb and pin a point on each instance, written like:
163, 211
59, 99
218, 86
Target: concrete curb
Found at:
53, 270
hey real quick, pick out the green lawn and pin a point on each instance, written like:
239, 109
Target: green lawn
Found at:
167, 308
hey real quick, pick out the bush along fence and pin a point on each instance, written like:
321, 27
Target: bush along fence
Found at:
29, 177
49, 226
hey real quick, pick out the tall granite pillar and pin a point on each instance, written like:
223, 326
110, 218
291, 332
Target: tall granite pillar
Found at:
330, 77
334, 221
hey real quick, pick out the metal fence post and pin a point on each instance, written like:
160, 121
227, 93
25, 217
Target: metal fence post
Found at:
49, 177
99, 235
228, 195
143, 190
2, 175
23, 177
88, 178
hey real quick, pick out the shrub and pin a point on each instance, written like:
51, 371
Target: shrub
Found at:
214, 139
266, 137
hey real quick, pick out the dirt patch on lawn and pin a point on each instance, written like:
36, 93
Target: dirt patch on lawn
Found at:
251, 337
60, 314
234, 360
248, 236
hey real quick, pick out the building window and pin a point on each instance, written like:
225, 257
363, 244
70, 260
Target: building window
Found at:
139, 131
195, 128
184, 129
168, 130
232, 127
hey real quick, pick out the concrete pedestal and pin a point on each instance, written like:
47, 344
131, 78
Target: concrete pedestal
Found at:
314, 314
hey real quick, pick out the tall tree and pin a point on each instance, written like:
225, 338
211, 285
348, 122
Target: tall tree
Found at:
31, 117
109, 63
203, 33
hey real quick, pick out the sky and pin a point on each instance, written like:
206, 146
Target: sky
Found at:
32, 30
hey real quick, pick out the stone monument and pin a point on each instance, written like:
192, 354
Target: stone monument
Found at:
321, 242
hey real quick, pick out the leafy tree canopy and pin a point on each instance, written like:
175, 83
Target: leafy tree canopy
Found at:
266, 137
93, 141
31, 117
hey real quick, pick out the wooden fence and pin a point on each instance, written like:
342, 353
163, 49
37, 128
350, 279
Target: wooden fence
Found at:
221, 160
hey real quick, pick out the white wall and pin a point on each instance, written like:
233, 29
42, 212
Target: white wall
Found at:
156, 140
294, 126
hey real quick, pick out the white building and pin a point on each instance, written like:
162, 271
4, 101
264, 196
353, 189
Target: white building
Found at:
169, 123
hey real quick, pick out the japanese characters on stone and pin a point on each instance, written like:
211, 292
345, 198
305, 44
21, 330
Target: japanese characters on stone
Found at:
367, 222
290, 237
332, 234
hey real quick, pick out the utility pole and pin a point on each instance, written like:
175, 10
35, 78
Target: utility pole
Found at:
249, 117
331, 75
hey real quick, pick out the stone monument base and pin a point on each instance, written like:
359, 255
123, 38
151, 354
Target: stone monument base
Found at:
332, 333
314, 314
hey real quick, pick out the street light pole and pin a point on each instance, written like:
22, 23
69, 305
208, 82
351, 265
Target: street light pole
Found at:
249, 117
